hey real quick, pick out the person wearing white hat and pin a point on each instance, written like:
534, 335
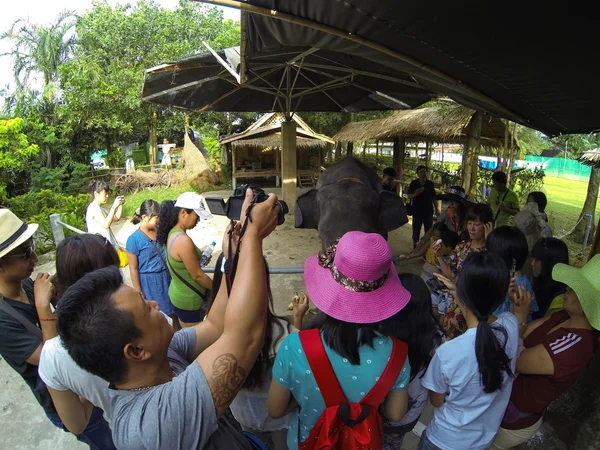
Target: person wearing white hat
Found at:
26, 318
189, 283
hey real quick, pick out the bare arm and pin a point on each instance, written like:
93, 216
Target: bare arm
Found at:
211, 329
186, 250
227, 362
535, 361
436, 399
280, 401
134, 272
395, 405
74, 412
42, 292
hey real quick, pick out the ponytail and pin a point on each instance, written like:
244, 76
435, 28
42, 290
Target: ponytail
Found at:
149, 208
167, 219
491, 357
482, 287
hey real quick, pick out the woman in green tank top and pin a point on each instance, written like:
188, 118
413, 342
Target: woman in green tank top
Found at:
189, 283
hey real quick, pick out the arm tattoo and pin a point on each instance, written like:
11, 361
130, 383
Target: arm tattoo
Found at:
227, 377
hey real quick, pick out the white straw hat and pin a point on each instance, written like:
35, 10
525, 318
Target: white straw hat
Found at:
13, 231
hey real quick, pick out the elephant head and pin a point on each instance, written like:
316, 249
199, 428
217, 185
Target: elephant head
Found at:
349, 197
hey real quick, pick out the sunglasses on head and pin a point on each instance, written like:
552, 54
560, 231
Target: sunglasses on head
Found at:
29, 251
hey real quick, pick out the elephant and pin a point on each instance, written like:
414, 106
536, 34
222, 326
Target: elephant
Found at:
349, 197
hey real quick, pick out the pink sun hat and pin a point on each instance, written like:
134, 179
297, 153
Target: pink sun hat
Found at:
355, 280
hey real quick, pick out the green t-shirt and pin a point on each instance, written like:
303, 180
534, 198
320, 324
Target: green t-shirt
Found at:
511, 200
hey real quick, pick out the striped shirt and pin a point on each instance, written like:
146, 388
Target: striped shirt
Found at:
571, 350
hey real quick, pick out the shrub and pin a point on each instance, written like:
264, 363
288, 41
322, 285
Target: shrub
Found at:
70, 179
36, 207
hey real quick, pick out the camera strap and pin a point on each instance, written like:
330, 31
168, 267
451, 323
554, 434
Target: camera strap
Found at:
232, 260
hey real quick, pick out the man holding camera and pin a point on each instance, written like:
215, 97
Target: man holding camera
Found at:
173, 390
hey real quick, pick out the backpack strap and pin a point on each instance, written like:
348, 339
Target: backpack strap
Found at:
30, 327
321, 367
377, 394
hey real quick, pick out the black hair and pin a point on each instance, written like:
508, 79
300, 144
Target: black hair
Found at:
550, 252
510, 244
167, 219
480, 212
540, 199
482, 286
500, 177
416, 325
262, 368
149, 208
419, 168
98, 186
450, 238
92, 329
79, 254
390, 172
439, 226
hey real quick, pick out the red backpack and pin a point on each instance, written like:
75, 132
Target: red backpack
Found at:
344, 425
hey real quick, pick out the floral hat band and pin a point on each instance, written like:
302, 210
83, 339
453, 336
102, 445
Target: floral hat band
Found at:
326, 260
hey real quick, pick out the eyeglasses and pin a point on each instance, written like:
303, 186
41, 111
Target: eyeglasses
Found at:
29, 252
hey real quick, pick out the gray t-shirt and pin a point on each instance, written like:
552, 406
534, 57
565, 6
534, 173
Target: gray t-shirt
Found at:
175, 415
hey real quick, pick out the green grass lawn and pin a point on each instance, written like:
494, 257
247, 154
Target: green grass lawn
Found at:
565, 200
133, 201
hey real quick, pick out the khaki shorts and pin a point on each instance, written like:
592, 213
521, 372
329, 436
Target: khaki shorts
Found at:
506, 439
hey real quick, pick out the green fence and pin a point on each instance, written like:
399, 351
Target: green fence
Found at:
560, 167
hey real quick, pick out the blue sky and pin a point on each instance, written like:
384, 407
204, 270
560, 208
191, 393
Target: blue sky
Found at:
45, 11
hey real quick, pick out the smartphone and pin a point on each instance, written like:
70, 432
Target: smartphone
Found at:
513, 269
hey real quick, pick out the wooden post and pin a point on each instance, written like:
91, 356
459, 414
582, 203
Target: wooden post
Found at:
153, 143
503, 150
364, 149
288, 163
349, 148
427, 150
398, 154
338, 150
513, 155
376, 152
471, 154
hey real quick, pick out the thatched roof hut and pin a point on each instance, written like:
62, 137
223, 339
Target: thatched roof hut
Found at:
256, 152
591, 158
434, 124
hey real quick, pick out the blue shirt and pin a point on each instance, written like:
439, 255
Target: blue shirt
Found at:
470, 417
505, 306
292, 371
140, 245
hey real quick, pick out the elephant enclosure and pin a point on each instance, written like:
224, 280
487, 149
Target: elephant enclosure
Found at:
289, 247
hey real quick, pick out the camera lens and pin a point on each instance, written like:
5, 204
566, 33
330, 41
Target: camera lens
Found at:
282, 212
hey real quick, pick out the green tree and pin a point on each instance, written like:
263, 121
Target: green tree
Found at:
103, 81
40, 49
15, 152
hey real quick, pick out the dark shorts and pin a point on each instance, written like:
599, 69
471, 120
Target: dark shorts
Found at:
187, 316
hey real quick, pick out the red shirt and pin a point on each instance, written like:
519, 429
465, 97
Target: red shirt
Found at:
571, 350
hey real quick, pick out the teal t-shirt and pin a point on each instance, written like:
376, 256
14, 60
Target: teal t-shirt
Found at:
292, 371
495, 199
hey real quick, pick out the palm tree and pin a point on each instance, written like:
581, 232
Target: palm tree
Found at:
40, 48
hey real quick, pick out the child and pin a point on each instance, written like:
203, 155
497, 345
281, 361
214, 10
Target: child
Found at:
511, 245
470, 377
147, 264
441, 298
418, 327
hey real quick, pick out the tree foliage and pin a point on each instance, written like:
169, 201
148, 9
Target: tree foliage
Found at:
15, 152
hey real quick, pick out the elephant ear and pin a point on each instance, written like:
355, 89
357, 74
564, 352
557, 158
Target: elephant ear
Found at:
392, 212
306, 212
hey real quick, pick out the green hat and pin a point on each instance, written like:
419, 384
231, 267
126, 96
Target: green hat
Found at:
586, 284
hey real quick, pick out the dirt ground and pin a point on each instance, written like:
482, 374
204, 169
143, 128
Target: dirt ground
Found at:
22, 421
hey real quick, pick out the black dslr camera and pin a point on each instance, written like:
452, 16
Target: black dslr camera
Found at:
233, 208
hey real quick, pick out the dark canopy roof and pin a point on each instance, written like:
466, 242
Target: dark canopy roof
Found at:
281, 79
536, 65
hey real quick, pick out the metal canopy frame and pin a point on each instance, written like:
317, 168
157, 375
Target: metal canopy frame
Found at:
288, 94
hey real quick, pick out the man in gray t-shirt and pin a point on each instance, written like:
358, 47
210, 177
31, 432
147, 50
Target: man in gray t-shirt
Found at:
190, 421
173, 390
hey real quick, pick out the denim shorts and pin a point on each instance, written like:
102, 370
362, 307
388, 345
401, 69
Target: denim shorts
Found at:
188, 316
